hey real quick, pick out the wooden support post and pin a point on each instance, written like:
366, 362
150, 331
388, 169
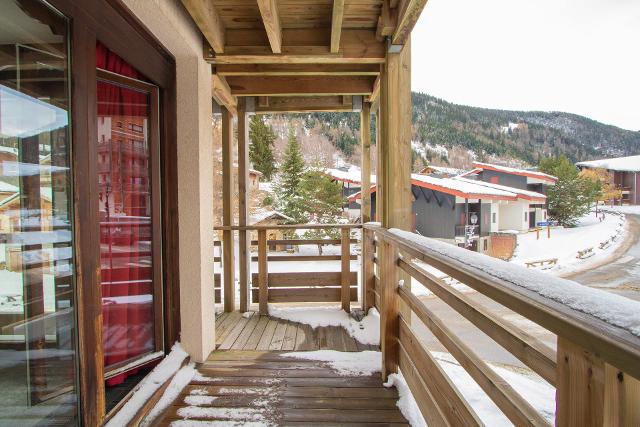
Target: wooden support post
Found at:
365, 143
390, 310
368, 278
579, 386
263, 273
395, 141
227, 211
345, 270
244, 251
590, 392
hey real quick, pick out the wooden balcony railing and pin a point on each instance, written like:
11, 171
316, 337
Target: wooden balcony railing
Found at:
595, 368
317, 285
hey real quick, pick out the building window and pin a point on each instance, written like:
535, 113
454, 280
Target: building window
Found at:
485, 244
494, 217
37, 307
495, 180
526, 216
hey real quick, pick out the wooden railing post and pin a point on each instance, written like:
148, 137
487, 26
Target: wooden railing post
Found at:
228, 251
390, 308
345, 270
244, 251
263, 273
368, 279
590, 392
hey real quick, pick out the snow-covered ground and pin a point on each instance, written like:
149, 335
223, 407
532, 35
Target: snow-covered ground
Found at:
565, 243
627, 209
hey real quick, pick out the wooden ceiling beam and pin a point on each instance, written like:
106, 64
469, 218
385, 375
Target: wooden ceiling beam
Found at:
297, 69
221, 93
300, 85
375, 93
386, 21
407, 17
303, 104
207, 19
301, 47
336, 24
271, 20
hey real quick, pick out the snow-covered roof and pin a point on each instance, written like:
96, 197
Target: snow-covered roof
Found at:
264, 215
255, 172
441, 170
622, 164
468, 189
515, 171
353, 175
522, 194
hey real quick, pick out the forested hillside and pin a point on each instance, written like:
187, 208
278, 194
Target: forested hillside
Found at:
450, 134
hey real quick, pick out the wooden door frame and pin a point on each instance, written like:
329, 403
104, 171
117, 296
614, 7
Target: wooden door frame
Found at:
110, 22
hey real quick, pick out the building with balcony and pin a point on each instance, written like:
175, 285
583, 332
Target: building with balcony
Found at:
625, 173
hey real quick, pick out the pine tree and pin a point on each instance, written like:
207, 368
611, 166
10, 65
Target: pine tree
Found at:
289, 195
261, 149
572, 195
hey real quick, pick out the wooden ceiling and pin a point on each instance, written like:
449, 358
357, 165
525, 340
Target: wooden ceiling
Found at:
300, 48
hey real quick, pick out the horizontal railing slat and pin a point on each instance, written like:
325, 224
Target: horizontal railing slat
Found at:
323, 294
527, 349
306, 279
516, 408
451, 402
614, 345
286, 227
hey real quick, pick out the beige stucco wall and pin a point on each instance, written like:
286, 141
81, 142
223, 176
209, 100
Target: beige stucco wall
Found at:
173, 27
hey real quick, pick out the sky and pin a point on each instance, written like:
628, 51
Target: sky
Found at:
577, 56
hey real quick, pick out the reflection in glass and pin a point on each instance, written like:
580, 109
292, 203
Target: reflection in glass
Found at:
125, 224
37, 322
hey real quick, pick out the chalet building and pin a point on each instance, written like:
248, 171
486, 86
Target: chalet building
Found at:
465, 211
522, 179
625, 173
107, 245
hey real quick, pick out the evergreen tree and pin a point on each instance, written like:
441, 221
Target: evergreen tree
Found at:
572, 195
289, 192
261, 149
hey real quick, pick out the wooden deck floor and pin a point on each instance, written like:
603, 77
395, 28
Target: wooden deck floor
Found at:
248, 381
255, 332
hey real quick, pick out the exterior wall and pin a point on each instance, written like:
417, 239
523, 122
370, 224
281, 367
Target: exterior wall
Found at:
172, 26
636, 190
494, 225
435, 219
485, 219
512, 216
502, 178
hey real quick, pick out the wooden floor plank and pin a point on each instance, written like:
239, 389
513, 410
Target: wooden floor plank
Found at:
233, 335
226, 325
289, 341
296, 391
298, 382
246, 332
253, 340
278, 335
267, 335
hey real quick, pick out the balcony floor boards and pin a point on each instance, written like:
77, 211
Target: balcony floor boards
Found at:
247, 380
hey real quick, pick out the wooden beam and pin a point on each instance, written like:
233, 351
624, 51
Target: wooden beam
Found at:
386, 21
300, 85
302, 46
244, 253
263, 273
407, 20
345, 270
301, 104
336, 24
221, 93
207, 19
228, 253
297, 70
271, 20
375, 92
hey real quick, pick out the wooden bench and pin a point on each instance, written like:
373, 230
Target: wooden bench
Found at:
548, 263
605, 244
585, 253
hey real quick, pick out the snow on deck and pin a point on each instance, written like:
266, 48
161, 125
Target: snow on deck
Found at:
622, 164
616, 310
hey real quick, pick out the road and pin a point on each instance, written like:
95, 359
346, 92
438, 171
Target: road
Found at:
621, 275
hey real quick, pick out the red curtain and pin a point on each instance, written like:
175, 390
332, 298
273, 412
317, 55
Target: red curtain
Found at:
125, 216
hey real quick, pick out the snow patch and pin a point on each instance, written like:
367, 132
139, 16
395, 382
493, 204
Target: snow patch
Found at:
346, 363
367, 331
406, 402
152, 382
178, 383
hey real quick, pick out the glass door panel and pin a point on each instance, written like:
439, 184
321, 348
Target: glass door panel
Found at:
125, 169
37, 319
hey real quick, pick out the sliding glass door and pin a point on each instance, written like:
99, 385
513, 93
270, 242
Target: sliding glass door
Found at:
128, 183
38, 372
